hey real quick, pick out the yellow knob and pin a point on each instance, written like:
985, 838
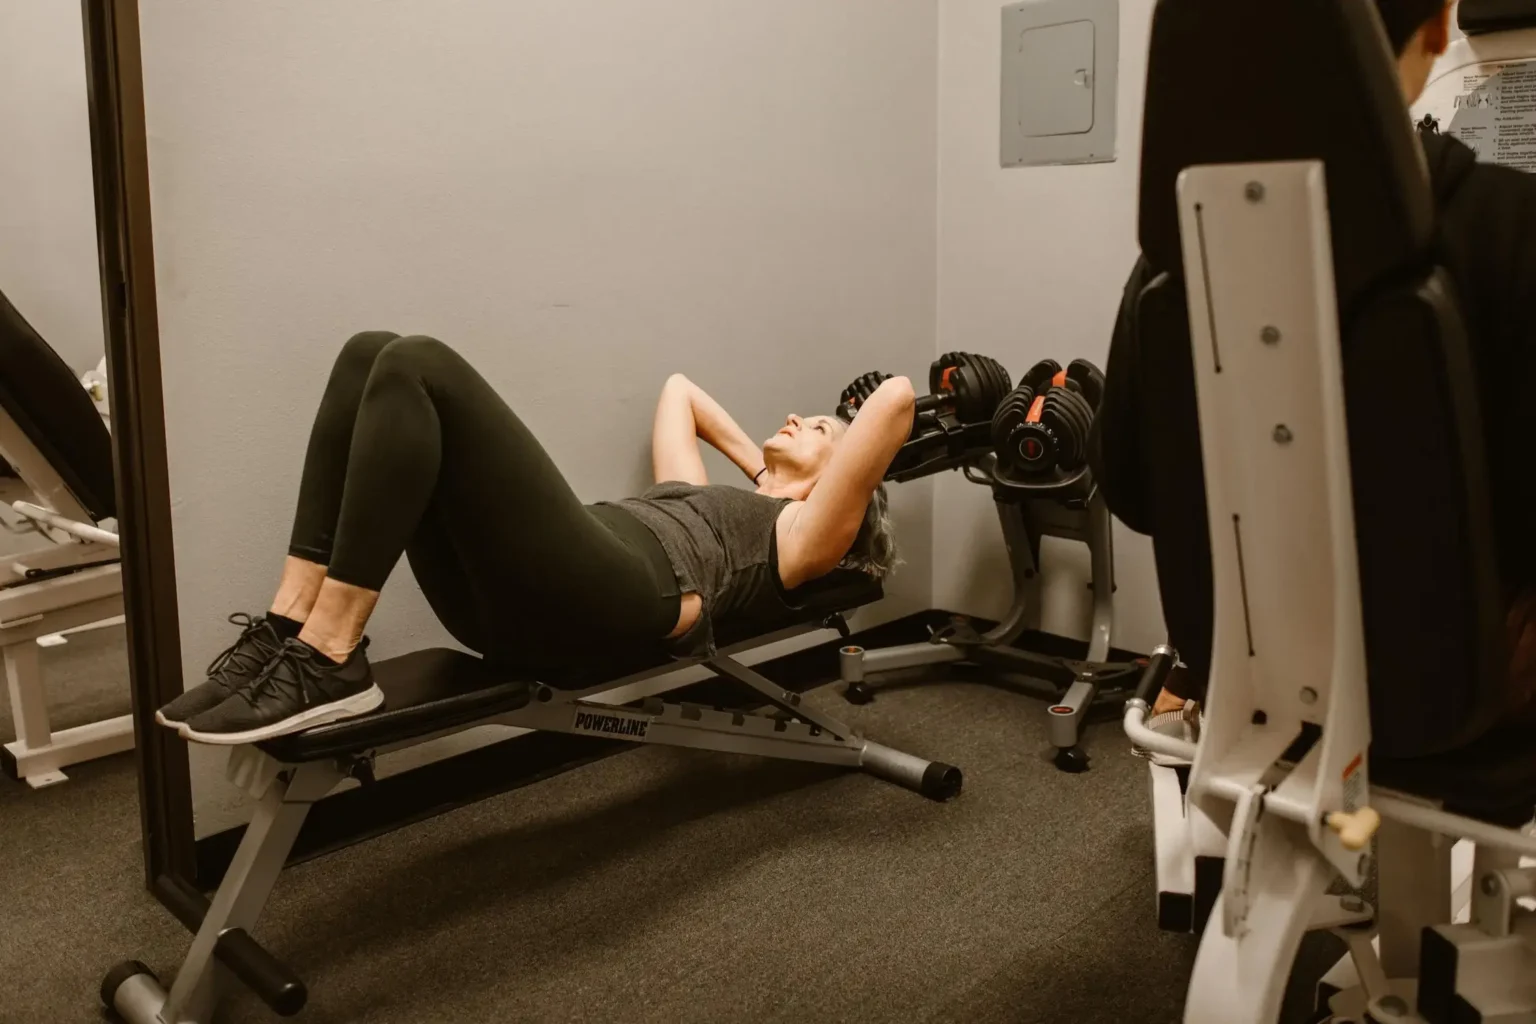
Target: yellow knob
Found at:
1356, 828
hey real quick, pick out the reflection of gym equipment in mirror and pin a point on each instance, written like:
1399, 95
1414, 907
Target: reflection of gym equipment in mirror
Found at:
59, 490
1029, 445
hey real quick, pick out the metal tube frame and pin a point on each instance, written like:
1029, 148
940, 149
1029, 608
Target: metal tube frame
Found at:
1024, 523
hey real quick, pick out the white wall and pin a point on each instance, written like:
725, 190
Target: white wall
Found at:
580, 198
48, 264
1031, 265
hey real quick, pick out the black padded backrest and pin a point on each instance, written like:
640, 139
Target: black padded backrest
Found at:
42, 395
1313, 79
1478, 16
1301, 80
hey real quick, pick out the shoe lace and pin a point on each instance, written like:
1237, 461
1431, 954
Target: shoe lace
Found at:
299, 660
239, 657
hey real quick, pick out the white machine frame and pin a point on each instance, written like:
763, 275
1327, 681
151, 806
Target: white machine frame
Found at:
41, 598
1282, 767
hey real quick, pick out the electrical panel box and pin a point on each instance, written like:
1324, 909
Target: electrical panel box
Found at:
1060, 64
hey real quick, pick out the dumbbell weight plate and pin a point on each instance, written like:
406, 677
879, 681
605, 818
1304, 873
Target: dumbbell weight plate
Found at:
999, 383
968, 382
1011, 411
1039, 375
979, 383
971, 389
1022, 447
858, 392
1070, 408
1090, 378
1076, 405
936, 370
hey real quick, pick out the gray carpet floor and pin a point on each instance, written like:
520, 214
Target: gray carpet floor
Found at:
668, 886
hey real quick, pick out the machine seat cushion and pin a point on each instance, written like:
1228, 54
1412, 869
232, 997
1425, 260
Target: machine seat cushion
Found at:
428, 691
41, 394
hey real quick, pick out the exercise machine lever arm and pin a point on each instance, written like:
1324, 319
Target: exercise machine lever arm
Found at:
84, 531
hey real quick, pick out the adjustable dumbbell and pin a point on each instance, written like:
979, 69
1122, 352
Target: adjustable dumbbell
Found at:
857, 393
1045, 422
970, 386
1074, 405
1090, 381
1023, 442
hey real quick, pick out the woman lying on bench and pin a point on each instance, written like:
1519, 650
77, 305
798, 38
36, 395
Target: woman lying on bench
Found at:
413, 452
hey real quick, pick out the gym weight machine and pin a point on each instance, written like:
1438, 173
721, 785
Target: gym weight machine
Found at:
1309, 355
56, 484
1029, 445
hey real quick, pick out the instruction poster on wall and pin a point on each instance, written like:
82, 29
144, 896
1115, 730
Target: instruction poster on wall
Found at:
1490, 107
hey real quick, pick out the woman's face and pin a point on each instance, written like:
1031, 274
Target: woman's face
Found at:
804, 445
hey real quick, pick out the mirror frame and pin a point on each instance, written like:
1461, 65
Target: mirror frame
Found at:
125, 250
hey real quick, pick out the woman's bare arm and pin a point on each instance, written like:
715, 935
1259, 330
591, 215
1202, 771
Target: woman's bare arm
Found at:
685, 414
816, 539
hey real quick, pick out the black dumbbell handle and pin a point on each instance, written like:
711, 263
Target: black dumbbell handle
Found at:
940, 402
937, 401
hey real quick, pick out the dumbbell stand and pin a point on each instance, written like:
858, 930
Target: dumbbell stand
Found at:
1072, 686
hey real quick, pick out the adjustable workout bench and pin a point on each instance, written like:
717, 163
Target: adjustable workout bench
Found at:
54, 441
1318, 442
435, 693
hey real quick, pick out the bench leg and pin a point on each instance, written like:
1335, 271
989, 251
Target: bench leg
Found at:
242, 894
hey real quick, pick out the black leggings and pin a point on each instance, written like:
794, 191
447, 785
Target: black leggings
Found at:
413, 452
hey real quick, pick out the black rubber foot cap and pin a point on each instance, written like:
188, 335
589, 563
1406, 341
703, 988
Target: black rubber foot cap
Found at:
1071, 759
858, 693
115, 978
942, 781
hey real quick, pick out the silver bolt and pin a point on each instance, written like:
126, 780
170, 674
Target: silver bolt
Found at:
1253, 192
1270, 335
1490, 885
1308, 695
1283, 434
1395, 1005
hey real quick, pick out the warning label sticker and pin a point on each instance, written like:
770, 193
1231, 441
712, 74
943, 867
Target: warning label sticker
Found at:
1354, 784
1490, 107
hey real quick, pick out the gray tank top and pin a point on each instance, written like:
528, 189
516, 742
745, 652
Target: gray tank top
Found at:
720, 540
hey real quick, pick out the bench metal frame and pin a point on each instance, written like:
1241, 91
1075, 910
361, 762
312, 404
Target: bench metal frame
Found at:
285, 792
44, 593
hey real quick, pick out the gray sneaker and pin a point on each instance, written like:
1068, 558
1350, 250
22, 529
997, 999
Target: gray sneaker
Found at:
238, 664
